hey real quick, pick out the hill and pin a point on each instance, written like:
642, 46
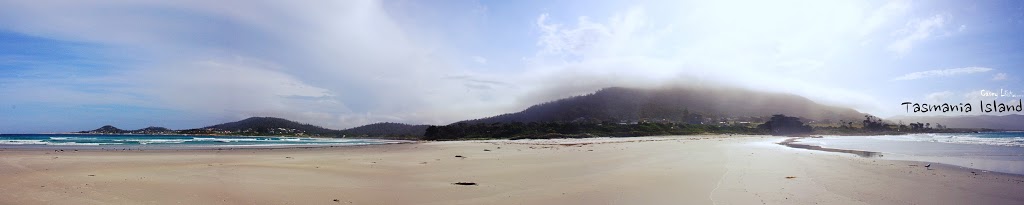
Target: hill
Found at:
688, 105
269, 125
152, 130
260, 126
386, 130
739, 109
106, 129
1004, 122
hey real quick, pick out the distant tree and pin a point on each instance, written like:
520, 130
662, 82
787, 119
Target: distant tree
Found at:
784, 125
874, 123
917, 126
433, 132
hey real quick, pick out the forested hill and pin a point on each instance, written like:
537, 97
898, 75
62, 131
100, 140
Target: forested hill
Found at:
386, 130
108, 129
257, 126
269, 125
674, 105
620, 105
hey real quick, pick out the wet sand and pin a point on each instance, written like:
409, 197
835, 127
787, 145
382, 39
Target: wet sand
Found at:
710, 169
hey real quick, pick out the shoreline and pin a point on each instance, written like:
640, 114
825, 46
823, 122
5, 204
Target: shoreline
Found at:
791, 142
949, 161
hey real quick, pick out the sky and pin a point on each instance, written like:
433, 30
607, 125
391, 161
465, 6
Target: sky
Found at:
77, 65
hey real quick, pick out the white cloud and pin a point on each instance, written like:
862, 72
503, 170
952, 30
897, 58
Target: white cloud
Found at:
766, 47
942, 73
300, 61
801, 64
999, 76
939, 97
962, 28
229, 86
915, 32
348, 63
574, 42
480, 60
884, 14
979, 95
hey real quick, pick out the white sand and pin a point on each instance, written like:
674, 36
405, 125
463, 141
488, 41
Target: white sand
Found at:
650, 170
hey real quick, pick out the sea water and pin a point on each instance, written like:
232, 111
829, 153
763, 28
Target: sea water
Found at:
170, 141
991, 151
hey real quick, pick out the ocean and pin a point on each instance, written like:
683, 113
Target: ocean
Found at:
169, 141
990, 151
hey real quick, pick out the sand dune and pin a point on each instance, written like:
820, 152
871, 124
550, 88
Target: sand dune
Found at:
649, 170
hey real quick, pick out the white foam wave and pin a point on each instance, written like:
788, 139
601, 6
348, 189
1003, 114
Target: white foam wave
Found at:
225, 139
77, 143
72, 138
22, 142
966, 138
153, 141
41, 142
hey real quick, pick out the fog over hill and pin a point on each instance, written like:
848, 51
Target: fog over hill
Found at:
675, 104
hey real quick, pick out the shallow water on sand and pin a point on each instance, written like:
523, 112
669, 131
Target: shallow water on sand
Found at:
996, 152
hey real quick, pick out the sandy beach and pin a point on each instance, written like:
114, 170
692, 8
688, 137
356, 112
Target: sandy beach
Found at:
712, 169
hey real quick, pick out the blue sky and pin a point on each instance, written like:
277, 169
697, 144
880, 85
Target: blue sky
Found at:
68, 66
